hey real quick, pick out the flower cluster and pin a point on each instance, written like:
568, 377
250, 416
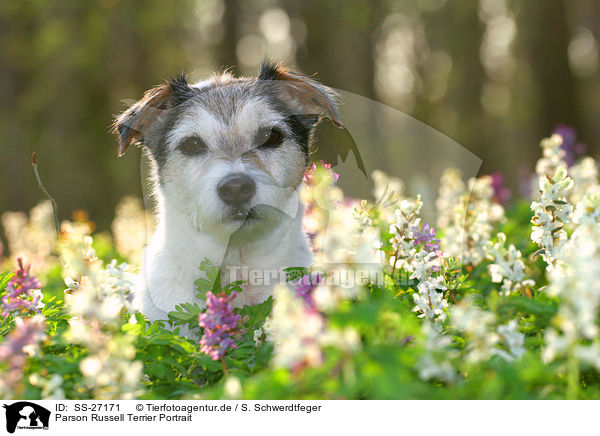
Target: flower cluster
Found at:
576, 282
471, 224
587, 211
407, 218
22, 292
130, 228
426, 237
96, 297
23, 341
34, 237
219, 323
552, 212
299, 333
452, 190
306, 286
429, 300
585, 179
553, 156
507, 267
435, 364
312, 173
483, 341
339, 235
416, 251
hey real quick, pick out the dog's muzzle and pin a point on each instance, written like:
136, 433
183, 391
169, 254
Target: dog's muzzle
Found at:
236, 190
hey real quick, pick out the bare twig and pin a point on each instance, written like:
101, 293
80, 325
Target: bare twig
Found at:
224, 365
43, 188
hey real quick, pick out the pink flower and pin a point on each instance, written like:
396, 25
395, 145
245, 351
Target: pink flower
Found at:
501, 193
27, 334
19, 292
219, 323
305, 287
309, 174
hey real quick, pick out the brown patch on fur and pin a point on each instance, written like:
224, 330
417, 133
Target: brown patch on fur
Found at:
313, 97
132, 123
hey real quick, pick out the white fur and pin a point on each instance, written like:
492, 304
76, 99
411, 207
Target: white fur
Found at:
193, 222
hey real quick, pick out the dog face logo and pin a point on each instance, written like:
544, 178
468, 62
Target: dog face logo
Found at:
26, 415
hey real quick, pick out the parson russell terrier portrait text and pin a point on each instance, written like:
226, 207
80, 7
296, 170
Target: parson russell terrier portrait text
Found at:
228, 158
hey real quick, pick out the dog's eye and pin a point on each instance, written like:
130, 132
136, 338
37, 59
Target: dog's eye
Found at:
270, 138
193, 146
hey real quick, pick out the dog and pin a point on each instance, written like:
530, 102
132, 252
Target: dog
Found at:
228, 156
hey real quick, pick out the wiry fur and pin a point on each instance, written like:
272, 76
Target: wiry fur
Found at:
227, 114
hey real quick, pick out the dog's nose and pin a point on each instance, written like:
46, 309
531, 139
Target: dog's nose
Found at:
236, 189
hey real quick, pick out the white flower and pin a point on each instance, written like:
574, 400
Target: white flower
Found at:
435, 364
472, 222
406, 217
482, 341
299, 333
452, 188
33, 238
429, 299
296, 332
508, 268
576, 282
587, 211
585, 178
552, 156
512, 339
258, 335
131, 227
552, 212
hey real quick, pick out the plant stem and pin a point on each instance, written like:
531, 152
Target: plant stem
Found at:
43, 188
224, 365
572, 375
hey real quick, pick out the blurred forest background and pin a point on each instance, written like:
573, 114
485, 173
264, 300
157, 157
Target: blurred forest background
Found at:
494, 75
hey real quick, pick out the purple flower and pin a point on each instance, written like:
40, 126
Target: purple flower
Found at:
27, 334
19, 292
571, 147
426, 237
306, 285
28, 331
501, 193
219, 323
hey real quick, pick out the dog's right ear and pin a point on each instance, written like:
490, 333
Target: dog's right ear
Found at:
132, 124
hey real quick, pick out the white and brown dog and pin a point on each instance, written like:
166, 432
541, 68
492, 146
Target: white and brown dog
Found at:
228, 155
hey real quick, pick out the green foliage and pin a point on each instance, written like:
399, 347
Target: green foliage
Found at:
385, 366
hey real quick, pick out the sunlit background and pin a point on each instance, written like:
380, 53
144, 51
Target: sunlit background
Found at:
494, 75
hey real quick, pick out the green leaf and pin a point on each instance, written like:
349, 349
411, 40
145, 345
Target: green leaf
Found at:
256, 315
295, 273
212, 282
4, 279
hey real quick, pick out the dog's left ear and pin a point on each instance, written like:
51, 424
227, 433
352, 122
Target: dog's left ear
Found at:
133, 124
313, 98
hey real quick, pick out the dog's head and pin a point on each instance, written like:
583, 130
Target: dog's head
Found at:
230, 152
